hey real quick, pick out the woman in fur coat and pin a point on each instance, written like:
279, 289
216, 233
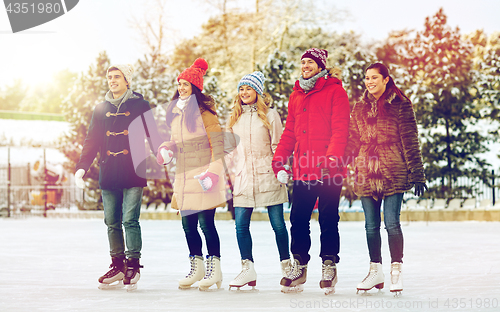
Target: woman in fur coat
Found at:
254, 132
383, 142
199, 187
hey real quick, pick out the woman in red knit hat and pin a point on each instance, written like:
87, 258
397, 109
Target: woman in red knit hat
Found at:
197, 144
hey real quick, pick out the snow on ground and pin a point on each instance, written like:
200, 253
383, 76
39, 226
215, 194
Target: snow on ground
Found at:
53, 265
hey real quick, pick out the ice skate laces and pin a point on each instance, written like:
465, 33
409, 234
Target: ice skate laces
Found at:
209, 268
328, 271
243, 273
395, 270
114, 270
287, 268
371, 273
193, 267
296, 271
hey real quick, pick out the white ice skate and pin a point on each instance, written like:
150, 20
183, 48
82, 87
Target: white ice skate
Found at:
196, 273
328, 277
213, 275
286, 267
375, 278
132, 274
294, 282
247, 276
113, 279
396, 278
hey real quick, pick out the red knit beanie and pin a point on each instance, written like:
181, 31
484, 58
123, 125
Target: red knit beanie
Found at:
318, 55
194, 74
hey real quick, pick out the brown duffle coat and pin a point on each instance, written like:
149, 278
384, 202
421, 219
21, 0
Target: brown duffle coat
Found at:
384, 147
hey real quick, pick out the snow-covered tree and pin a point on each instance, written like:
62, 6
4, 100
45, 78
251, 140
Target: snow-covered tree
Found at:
12, 95
279, 82
438, 63
487, 66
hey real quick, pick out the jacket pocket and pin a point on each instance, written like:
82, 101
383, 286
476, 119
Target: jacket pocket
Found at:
266, 179
239, 183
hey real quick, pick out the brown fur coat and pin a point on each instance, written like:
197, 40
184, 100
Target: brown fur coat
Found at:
384, 147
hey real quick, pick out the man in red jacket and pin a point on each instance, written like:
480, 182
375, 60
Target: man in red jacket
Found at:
316, 133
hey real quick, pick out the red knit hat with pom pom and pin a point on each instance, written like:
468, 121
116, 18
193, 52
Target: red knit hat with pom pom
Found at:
194, 74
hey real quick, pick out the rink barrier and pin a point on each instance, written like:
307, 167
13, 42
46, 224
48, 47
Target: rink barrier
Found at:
406, 215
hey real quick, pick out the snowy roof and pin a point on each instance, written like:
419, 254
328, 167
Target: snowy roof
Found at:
27, 137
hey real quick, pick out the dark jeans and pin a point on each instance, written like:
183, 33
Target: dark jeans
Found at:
123, 206
304, 199
193, 238
392, 210
242, 222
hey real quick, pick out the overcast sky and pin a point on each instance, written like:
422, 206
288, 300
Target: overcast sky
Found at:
74, 40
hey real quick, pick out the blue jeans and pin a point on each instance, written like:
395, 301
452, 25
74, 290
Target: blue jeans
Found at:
392, 210
123, 206
242, 220
190, 225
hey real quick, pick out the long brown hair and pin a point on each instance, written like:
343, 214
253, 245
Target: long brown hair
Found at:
390, 86
199, 101
262, 102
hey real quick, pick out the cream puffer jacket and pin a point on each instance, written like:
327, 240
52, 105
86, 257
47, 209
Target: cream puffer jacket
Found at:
197, 152
250, 147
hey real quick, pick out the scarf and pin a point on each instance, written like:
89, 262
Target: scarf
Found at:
181, 104
122, 99
308, 84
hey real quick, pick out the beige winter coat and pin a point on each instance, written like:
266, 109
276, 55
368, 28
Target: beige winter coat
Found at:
254, 182
195, 153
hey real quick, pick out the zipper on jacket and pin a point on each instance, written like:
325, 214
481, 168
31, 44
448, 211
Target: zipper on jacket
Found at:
251, 154
183, 160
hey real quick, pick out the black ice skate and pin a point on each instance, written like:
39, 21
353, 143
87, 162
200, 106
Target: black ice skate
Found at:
294, 281
328, 277
132, 274
113, 278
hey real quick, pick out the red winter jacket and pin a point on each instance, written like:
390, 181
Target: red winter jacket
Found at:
316, 130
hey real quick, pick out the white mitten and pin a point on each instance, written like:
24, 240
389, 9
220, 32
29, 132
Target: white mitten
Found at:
167, 155
282, 176
79, 178
205, 181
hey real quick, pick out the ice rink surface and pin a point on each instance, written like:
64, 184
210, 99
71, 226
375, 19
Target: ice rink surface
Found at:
54, 264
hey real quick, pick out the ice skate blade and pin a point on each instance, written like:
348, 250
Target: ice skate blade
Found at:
292, 289
366, 293
114, 285
188, 287
239, 290
397, 293
208, 289
131, 287
329, 290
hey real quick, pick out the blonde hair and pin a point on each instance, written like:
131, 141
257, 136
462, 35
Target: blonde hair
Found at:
263, 103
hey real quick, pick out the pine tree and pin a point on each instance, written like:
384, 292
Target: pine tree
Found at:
89, 90
156, 82
278, 83
439, 77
